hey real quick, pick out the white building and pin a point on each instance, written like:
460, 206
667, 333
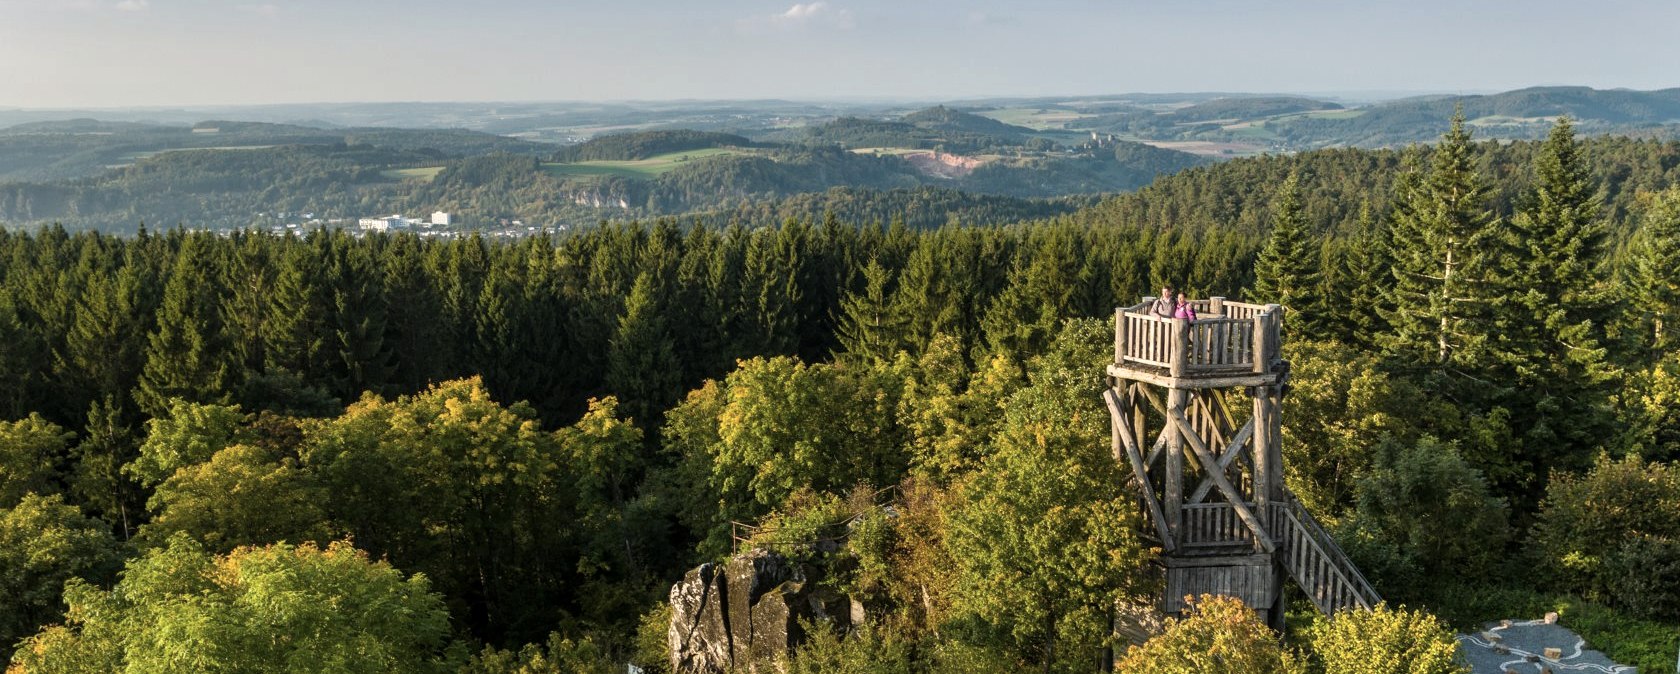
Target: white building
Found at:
442, 219
382, 224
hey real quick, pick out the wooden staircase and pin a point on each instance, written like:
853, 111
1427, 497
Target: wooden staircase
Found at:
1315, 562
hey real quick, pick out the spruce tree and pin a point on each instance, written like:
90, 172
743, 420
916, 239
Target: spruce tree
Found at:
99, 484
185, 357
870, 328
770, 288
1287, 269
296, 331
20, 354
1654, 270
412, 310
99, 352
363, 360
924, 297
1549, 317
1365, 274
1559, 233
642, 367
1440, 241
250, 283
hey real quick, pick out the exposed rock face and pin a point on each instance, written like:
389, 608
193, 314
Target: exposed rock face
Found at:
942, 165
745, 614
699, 635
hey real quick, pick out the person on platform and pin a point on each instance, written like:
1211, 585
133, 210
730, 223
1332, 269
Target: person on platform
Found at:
1183, 309
1164, 306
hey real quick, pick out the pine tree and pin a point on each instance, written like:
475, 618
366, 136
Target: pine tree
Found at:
870, 328
1440, 241
642, 367
1287, 270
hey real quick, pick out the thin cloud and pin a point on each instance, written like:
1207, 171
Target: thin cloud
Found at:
265, 9
133, 5
817, 13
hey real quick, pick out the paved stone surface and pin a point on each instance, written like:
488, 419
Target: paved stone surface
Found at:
1520, 646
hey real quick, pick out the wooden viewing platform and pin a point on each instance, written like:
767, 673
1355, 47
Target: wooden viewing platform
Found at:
1209, 393
1229, 344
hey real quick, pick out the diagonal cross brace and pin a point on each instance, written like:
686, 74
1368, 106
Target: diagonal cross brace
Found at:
1139, 468
1232, 451
1211, 464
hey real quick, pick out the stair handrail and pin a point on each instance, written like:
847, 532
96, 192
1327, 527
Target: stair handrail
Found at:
1326, 544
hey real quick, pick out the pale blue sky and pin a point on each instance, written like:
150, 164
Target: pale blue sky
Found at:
203, 52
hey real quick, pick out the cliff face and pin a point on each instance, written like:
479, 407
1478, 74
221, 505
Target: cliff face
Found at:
744, 615
942, 165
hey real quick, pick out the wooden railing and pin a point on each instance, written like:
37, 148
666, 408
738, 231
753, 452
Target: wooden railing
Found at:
1213, 525
1227, 337
1305, 550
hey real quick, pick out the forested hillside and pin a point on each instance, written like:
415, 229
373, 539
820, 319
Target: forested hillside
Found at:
1524, 113
221, 451
48, 151
620, 177
1254, 123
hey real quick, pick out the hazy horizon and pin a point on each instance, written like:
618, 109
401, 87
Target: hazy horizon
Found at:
204, 53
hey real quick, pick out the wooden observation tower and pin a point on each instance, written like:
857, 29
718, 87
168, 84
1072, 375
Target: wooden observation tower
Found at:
1195, 412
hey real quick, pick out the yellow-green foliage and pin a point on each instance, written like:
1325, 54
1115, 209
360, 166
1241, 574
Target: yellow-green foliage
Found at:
1385, 641
271, 609
1217, 635
29, 448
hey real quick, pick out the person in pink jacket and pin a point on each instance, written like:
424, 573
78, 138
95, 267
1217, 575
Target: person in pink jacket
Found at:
1184, 310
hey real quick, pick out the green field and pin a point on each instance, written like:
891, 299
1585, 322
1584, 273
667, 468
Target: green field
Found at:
1335, 114
423, 173
131, 157
1037, 119
652, 167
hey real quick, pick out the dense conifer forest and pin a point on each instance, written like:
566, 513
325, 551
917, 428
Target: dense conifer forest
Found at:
389, 453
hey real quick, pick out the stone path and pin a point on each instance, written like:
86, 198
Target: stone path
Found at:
1532, 647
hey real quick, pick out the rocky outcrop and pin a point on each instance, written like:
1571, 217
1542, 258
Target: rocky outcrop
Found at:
699, 635
744, 615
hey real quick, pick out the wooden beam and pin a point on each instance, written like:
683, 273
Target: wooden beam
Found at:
1149, 396
1139, 469
1160, 445
1172, 483
1211, 463
1225, 410
1217, 379
1119, 334
1232, 451
1210, 423
1180, 346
